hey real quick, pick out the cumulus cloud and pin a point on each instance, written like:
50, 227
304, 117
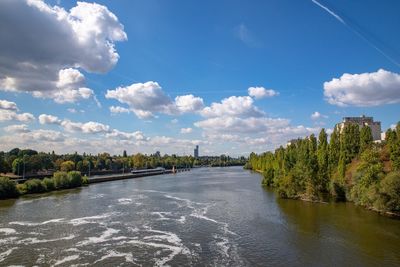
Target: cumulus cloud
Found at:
261, 92
188, 103
137, 135
143, 98
186, 130
43, 135
365, 89
238, 106
316, 116
50, 44
118, 109
10, 115
147, 99
49, 119
8, 105
250, 125
90, 127
17, 128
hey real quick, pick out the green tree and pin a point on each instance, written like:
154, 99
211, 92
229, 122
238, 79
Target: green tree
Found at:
366, 138
323, 155
334, 151
67, 166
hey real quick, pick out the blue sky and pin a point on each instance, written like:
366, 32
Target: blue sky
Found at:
209, 50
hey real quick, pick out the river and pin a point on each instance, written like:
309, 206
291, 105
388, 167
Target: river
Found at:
205, 217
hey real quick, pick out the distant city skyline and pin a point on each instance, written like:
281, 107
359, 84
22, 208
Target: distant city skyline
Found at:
230, 76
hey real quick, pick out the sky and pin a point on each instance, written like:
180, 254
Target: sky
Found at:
233, 76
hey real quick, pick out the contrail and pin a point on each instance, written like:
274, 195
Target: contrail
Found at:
329, 11
358, 33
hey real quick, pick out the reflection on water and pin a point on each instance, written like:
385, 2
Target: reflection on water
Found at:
211, 217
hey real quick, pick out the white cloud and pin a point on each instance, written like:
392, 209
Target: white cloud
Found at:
365, 89
50, 44
8, 105
118, 109
49, 119
90, 127
235, 125
138, 135
174, 121
147, 99
240, 106
10, 115
144, 99
188, 103
43, 135
316, 116
186, 130
261, 92
17, 128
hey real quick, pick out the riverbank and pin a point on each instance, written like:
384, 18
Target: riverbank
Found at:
395, 215
73, 179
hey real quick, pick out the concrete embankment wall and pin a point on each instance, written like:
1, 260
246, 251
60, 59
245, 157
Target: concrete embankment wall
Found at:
106, 178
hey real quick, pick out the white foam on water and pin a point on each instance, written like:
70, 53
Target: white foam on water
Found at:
36, 223
223, 246
114, 254
182, 219
7, 240
175, 250
105, 236
7, 231
66, 259
90, 219
124, 201
34, 240
6, 253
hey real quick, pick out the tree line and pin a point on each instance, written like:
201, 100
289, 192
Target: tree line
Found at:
350, 166
27, 161
59, 180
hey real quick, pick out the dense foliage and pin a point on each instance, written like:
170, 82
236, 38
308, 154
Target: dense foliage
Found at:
31, 162
60, 180
348, 167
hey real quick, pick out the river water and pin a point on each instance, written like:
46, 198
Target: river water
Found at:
205, 217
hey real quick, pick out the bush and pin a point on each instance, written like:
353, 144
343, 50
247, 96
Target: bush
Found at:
8, 188
389, 192
61, 180
85, 180
268, 177
49, 184
34, 186
21, 189
75, 179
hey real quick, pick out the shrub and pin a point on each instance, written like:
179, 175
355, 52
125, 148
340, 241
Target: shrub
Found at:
35, 186
8, 188
61, 180
268, 177
389, 192
85, 180
21, 189
75, 179
49, 184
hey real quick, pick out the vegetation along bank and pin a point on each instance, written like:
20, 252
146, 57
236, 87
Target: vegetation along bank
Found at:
350, 167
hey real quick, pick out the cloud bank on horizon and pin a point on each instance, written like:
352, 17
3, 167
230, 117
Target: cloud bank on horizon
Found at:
50, 55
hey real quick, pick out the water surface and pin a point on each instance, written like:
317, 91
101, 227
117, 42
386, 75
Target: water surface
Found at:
206, 217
